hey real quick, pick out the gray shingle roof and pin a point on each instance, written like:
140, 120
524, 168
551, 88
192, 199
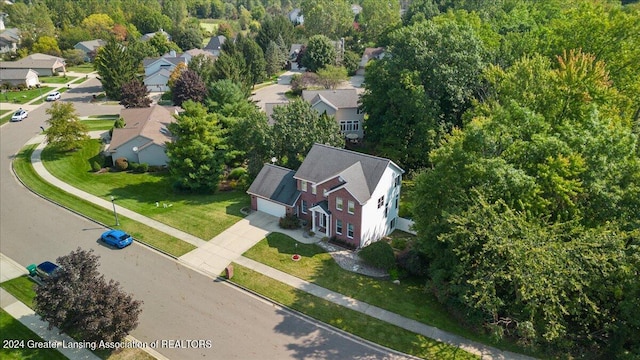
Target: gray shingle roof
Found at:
215, 43
361, 173
339, 98
275, 183
15, 74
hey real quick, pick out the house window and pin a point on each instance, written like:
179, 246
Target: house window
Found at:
359, 111
313, 189
350, 207
338, 226
397, 181
350, 230
304, 207
386, 211
339, 203
381, 202
395, 202
303, 186
393, 223
349, 125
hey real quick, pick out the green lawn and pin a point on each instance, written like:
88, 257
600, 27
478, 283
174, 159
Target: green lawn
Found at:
82, 68
24, 96
12, 329
22, 288
345, 319
141, 232
96, 124
204, 216
5, 116
57, 79
408, 299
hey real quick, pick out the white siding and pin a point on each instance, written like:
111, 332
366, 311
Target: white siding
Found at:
271, 208
374, 224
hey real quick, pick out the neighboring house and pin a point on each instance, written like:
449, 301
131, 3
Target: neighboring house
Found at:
89, 48
296, 16
369, 54
15, 77
43, 64
343, 104
190, 54
344, 194
158, 70
9, 40
144, 136
148, 36
215, 44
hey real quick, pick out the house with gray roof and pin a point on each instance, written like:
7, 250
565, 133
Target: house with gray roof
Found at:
215, 44
43, 64
342, 194
89, 48
148, 36
9, 40
15, 77
157, 70
343, 105
144, 137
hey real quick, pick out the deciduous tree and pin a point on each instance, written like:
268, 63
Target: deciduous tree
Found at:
332, 76
135, 94
188, 87
78, 300
331, 18
319, 53
65, 129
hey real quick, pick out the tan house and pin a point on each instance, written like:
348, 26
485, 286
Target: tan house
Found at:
144, 137
43, 64
15, 77
343, 104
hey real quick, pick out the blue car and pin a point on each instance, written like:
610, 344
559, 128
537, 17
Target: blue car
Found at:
117, 238
46, 269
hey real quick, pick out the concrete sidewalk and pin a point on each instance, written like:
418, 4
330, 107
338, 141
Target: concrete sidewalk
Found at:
213, 256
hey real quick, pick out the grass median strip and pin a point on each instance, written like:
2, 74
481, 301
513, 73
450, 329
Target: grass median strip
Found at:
350, 321
146, 234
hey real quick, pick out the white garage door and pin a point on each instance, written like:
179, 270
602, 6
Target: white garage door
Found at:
271, 207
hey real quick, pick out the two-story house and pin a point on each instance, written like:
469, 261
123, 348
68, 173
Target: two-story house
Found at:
343, 104
157, 71
343, 194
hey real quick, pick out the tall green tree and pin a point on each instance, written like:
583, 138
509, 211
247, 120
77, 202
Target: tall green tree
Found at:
274, 59
379, 17
65, 130
253, 58
197, 155
271, 28
297, 126
331, 18
319, 52
116, 65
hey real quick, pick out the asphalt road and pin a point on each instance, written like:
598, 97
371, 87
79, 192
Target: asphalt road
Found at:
179, 303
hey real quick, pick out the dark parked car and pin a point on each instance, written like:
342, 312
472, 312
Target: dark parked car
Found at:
46, 269
117, 238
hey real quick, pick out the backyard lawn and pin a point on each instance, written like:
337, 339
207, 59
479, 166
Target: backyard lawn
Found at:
408, 299
24, 96
82, 68
149, 194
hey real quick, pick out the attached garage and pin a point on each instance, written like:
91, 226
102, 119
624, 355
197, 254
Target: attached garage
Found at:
271, 208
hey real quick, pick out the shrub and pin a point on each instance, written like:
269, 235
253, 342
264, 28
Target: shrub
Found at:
340, 242
122, 164
289, 222
95, 166
413, 262
237, 173
133, 166
378, 254
144, 167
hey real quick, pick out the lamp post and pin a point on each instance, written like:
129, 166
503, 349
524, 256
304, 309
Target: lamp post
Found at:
115, 214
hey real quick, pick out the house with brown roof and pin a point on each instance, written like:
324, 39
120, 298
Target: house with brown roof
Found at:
43, 64
144, 137
342, 194
343, 104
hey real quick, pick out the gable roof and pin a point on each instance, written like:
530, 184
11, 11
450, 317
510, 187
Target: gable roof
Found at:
275, 183
338, 99
360, 173
90, 45
34, 61
215, 43
17, 74
148, 36
372, 53
171, 60
150, 123
163, 73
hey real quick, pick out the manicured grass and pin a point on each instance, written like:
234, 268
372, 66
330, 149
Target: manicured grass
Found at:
5, 116
22, 288
204, 216
94, 124
141, 232
12, 329
82, 68
57, 79
345, 319
24, 96
408, 299
104, 117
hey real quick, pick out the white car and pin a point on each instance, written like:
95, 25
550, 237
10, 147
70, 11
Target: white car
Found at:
20, 115
53, 96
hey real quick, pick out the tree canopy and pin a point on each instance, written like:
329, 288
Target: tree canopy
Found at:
65, 130
116, 65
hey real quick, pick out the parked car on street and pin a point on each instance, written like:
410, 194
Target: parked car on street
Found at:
46, 269
117, 238
53, 96
20, 115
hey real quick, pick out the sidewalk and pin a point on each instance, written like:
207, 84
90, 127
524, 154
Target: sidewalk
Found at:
213, 256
